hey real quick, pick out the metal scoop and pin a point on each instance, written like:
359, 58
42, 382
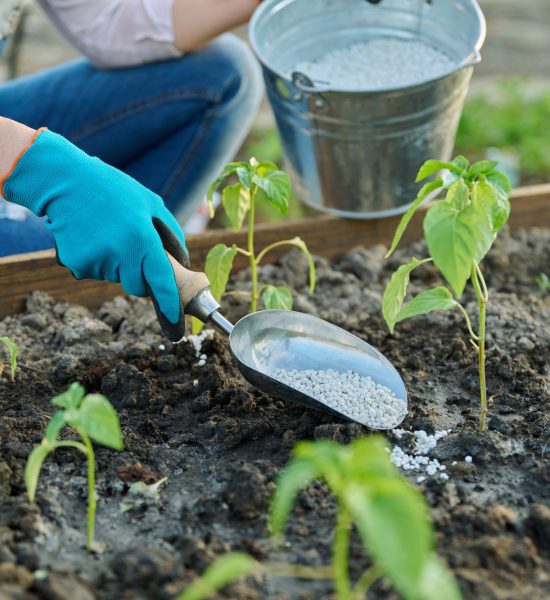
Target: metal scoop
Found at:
277, 339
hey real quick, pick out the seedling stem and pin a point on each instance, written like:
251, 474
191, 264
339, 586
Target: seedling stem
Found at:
340, 553
253, 263
366, 581
92, 501
482, 297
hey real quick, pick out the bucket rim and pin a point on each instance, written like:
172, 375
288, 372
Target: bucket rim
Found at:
473, 59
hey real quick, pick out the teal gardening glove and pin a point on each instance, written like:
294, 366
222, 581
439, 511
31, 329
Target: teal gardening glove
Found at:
106, 225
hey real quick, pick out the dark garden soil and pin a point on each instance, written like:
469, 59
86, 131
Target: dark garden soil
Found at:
221, 443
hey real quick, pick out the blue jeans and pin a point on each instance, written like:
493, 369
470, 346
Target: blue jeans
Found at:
172, 125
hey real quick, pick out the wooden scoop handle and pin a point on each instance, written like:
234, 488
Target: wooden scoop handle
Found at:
189, 282
196, 300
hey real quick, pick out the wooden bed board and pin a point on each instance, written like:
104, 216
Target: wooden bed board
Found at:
325, 236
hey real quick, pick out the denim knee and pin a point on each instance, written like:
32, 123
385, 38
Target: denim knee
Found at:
244, 83
228, 121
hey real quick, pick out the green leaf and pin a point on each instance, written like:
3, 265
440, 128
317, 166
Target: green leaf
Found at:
298, 474
426, 190
431, 167
396, 290
55, 425
196, 326
502, 188
369, 457
459, 194
151, 490
331, 461
495, 203
457, 240
277, 188
438, 582
34, 466
277, 298
219, 263
236, 203
99, 420
393, 523
222, 572
229, 169
481, 168
449, 178
499, 180
12, 349
244, 174
266, 167
437, 299
461, 163
71, 398
140, 492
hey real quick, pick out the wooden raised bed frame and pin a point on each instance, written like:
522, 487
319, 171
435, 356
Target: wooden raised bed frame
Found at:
325, 236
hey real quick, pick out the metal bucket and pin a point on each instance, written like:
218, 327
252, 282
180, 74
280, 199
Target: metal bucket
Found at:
356, 153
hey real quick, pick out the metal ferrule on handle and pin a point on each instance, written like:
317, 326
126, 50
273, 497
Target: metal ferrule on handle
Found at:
205, 307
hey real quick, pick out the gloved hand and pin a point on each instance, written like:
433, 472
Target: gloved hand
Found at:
105, 224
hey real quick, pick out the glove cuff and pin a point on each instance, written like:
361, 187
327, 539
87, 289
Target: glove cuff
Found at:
41, 174
4, 179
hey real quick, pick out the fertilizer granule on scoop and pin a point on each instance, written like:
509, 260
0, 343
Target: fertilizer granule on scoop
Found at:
378, 64
357, 397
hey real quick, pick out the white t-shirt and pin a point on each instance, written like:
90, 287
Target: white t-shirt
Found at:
116, 33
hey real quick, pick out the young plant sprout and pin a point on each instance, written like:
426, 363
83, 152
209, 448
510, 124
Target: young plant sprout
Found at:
141, 493
391, 518
543, 282
256, 181
12, 350
93, 418
459, 232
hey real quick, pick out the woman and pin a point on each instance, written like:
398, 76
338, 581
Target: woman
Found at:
154, 98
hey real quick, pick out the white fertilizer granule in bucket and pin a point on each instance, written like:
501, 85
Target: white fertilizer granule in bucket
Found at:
382, 63
360, 398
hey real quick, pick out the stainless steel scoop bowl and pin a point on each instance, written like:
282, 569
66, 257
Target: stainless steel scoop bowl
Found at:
267, 340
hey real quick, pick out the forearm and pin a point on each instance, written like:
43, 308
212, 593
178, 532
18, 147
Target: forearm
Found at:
195, 23
15, 138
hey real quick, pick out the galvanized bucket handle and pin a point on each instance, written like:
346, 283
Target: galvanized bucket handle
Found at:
307, 85
312, 90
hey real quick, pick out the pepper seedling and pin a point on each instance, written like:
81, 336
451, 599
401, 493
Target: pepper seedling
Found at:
12, 350
256, 181
459, 232
391, 518
93, 417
